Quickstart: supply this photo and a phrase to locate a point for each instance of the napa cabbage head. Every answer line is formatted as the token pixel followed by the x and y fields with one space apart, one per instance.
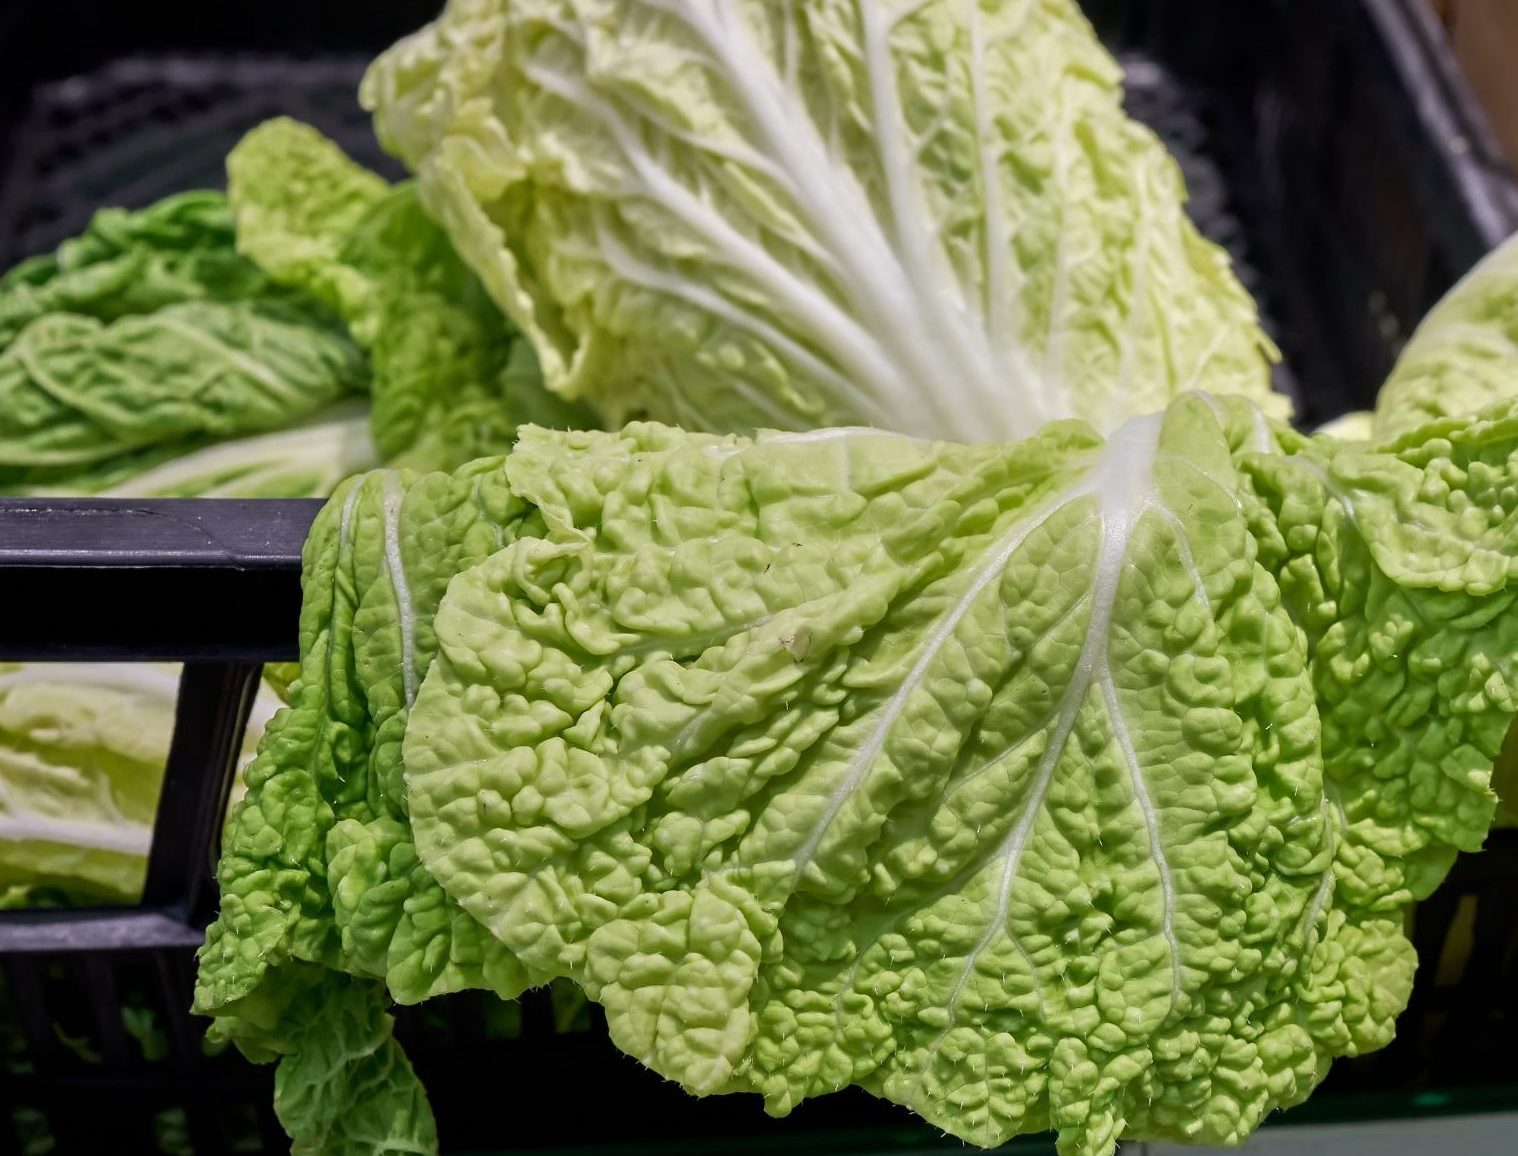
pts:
pixel 1463 356
pixel 735 214
pixel 147 339
pixel 1078 782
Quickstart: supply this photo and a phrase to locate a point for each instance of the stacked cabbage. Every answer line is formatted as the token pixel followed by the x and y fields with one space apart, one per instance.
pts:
pixel 945 673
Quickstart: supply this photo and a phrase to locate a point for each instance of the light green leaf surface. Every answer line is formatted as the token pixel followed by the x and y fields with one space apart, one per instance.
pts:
pixel 1071 783
pixel 1358 426
pixel 318 867
pixel 736 214
pixel 1464 355
pixel 82 754
pixel 452 377
pixel 296 197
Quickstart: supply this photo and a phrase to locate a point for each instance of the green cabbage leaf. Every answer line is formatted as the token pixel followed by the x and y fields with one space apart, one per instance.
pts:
pixel 82 754
pixel 1463 356
pixel 452 378
pixel 1074 783
pixel 306 460
pixel 128 263
pixel 148 338
pixel 931 217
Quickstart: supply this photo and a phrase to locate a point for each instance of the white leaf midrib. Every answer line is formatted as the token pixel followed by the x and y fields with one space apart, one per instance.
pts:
pixel 917 329
pixel 245 363
pixel 395 566
pixel 1123 486
pixel 330 452
pixel 1120 480
pixel 1000 555
pixel 122 837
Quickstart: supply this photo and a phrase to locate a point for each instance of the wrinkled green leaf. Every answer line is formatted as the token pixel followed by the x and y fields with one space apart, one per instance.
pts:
pixel 1464 355
pixel 343 1086
pixel 1071 783
pixel 452 377
pixel 128 263
pixel 736 214
pixel 148 338
pixel 75 393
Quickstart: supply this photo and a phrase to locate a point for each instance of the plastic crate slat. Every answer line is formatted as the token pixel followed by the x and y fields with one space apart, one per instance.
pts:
pixel 206 1117
pixel 180 158
pixel 168 580
pixel 1462 154
pixel 141 1083
pixel 210 717
pixel 208 1088
pixel 150 615
pixel 269 1129
pixel 173 988
pixel 237 533
pixel 47 197
pixel 26 933
pixel 99 983
pixel 1492 944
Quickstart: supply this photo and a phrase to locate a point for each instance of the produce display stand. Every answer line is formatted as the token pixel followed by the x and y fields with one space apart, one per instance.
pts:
pixel 1327 144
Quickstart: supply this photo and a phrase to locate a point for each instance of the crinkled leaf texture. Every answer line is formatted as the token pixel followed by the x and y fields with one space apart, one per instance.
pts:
pixel 149 337
pixel 1070 784
pixel 348 1089
pixel 1464 355
pixel 131 262
pixel 453 378
pixel 737 214
pixel 318 865
pixel 78 395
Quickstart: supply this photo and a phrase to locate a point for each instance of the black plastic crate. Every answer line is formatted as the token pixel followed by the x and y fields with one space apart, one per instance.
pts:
pixel 1328 144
